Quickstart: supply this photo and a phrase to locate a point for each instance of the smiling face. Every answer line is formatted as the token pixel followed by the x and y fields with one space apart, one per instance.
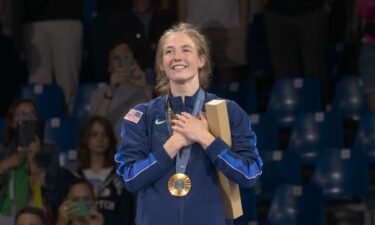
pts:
pixel 179 38
pixel 181 62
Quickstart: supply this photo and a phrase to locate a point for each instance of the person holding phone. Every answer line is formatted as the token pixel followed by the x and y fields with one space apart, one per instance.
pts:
pixel 79 207
pixel 24 157
pixel 126 88
pixel 167 154
pixel 96 149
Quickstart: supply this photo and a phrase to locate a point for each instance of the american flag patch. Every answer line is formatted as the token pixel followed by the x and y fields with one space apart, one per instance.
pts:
pixel 133 115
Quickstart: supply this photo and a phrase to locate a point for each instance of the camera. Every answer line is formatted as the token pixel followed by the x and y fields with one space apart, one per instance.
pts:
pixel 27 130
pixel 81 209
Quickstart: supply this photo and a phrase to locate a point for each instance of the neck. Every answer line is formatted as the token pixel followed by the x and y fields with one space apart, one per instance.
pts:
pixel 97 161
pixel 184 89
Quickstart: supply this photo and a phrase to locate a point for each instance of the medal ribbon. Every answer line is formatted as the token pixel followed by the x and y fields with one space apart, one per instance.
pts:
pixel 184 154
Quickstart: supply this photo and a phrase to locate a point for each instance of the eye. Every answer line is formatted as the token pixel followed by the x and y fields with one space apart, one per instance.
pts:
pixel 186 50
pixel 93 134
pixel 168 51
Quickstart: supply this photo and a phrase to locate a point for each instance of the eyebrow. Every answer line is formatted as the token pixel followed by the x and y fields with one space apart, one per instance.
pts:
pixel 183 46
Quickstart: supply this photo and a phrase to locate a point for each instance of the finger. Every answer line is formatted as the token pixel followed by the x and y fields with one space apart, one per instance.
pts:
pixel 187 115
pixel 176 128
pixel 178 123
pixel 181 118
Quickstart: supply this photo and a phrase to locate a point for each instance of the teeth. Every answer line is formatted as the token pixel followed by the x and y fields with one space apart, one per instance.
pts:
pixel 179 67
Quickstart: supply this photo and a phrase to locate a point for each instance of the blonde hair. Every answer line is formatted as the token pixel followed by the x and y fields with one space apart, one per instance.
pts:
pixel 201 43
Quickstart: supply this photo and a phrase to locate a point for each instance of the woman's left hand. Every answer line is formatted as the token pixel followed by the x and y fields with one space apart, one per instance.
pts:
pixel 196 129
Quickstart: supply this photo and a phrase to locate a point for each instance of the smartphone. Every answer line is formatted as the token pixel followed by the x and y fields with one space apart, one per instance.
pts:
pixel 27 130
pixel 125 62
pixel 81 209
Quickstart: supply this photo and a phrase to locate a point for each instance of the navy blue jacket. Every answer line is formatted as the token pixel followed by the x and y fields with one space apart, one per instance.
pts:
pixel 146 167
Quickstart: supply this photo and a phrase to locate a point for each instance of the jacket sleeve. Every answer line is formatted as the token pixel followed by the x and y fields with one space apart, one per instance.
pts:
pixel 241 162
pixel 138 164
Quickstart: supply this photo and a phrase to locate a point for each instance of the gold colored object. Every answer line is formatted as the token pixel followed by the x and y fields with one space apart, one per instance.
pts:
pixel 179 185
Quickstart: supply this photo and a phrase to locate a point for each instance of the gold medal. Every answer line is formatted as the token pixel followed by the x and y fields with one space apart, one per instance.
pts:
pixel 179 185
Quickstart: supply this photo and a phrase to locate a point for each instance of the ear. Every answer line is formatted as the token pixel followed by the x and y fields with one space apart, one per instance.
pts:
pixel 202 61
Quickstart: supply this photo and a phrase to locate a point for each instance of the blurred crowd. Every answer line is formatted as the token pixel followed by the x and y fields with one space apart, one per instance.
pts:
pixel 111 44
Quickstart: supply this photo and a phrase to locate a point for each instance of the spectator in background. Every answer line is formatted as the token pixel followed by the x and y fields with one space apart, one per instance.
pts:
pixel 297 35
pixel 79 206
pixel 140 27
pixel 31 216
pixel 127 87
pixel 366 11
pixel 31 165
pixel 224 23
pixel 97 146
pixel 52 35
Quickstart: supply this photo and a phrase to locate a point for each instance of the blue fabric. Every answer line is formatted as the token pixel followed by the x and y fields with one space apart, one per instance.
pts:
pixel 203 205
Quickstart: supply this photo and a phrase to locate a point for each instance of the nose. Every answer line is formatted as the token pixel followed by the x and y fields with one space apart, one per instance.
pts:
pixel 102 137
pixel 177 55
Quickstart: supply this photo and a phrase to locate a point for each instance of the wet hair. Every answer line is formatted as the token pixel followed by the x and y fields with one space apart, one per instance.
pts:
pixel 32 210
pixel 201 44
pixel 83 149
pixel 8 131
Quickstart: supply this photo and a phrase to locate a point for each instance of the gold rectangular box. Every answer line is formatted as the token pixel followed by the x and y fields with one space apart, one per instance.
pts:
pixel 218 123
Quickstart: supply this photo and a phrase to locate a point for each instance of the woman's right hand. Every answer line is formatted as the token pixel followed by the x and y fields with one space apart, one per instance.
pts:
pixel 175 143
pixel 10 162
pixel 64 213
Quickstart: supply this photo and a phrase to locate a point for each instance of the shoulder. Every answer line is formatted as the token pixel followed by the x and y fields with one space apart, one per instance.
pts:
pixel 152 104
pixel 142 110
pixel 231 105
pixel 235 112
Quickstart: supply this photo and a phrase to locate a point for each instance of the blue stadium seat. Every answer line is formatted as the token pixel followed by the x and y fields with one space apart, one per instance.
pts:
pixel 81 106
pixel 2 124
pixel 265 129
pixel 342 174
pixel 280 167
pixel 297 205
pixel 292 96
pixel 349 100
pixel 244 93
pixel 64 133
pixel 313 132
pixel 365 137
pixel 49 99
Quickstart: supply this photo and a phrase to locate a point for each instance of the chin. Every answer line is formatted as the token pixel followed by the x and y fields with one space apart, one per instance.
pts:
pixel 181 79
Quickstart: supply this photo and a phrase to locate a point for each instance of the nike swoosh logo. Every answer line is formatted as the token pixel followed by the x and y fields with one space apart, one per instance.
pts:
pixel 159 122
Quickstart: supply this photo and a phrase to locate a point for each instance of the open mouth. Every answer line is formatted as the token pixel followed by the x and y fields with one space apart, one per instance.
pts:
pixel 178 67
